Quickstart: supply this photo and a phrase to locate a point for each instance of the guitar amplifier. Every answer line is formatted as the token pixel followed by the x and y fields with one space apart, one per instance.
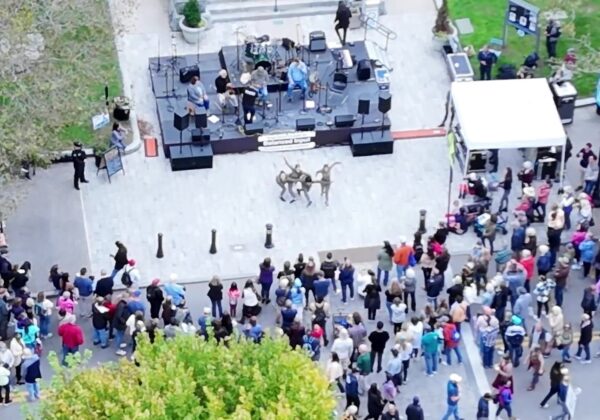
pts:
pixel 186 73
pixel 317 42
pixel 346 120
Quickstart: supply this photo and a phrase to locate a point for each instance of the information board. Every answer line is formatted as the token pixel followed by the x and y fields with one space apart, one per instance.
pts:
pixel 113 162
pixel 523 16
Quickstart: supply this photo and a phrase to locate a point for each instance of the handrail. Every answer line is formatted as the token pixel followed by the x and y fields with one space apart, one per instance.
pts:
pixel 369 22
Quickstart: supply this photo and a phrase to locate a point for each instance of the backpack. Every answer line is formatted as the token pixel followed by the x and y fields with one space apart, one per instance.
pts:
pixel 309 345
pixel 320 315
pixel 126 278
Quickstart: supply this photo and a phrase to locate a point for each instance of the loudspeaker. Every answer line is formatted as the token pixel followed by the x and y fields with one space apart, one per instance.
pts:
pixel 254 128
pixel 191 157
pixel 186 73
pixel 385 102
pixel 363 70
pixel 200 120
pixel 181 122
pixel 363 106
pixel 317 42
pixel 305 124
pixel 200 137
pixel 346 120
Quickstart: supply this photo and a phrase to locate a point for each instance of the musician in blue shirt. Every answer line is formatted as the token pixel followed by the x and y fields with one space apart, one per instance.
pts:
pixel 486 60
pixel 197 96
pixel 297 76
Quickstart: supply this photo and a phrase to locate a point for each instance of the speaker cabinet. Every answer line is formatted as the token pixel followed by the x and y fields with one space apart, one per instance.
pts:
pixel 317 42
pixel 346 120
pixel 305 124
pixel 363 70
pixel 385 102
pixel 254 128
pixel 364 106
pixel 181 122
pixel 186 73
pixel 191 157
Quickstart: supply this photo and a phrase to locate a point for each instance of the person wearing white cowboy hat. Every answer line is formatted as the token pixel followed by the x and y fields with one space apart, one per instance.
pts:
pixel 453 396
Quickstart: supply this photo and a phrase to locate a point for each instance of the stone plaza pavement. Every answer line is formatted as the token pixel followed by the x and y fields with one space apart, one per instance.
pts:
pixel 238 196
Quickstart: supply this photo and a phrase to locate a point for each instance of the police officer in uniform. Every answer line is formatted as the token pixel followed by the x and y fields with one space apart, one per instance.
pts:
pixel 78 156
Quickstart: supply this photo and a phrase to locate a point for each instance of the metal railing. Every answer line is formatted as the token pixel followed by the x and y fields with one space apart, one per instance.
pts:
pixel 369 23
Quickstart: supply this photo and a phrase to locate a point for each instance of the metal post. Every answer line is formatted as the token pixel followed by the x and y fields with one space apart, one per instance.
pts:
pixel 269 237
pixel 213 242
pixel 159 251
pixel 422 228
pixel 275 9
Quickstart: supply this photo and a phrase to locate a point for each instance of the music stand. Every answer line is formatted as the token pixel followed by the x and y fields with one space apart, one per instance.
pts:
pixel 181 122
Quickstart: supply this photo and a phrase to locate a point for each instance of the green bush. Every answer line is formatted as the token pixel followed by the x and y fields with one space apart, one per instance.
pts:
pixel 189 378
pixel 191 14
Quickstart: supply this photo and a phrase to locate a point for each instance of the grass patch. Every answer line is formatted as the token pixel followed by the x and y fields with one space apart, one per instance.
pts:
pixel 487 18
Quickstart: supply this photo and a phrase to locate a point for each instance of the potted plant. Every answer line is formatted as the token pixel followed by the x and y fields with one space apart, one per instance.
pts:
pixel 442 27
pixel 192 24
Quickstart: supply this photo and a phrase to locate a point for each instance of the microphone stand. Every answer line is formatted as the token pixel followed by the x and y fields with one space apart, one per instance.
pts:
pixel 326 109
pixel 158 52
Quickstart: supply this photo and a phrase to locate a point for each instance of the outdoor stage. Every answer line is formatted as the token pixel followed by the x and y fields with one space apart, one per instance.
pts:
pixel 281 117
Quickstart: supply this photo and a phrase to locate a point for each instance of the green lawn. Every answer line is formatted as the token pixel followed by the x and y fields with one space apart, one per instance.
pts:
pixel 487 17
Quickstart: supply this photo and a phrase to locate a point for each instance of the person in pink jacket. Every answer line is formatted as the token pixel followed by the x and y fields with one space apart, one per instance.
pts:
pixel 65 302
pixel 528 263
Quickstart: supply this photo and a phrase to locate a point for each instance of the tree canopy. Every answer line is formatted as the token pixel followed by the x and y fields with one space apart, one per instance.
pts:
pixel 190 378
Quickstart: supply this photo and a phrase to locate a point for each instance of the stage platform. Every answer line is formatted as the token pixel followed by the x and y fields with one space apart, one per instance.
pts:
pixel 227 137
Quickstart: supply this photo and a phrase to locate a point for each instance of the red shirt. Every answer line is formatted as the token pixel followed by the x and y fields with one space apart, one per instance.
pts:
pixel 529 266
pixel 402 255
pixel 71 334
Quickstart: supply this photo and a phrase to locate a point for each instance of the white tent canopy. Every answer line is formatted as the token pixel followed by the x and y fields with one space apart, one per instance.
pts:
pixel 507 114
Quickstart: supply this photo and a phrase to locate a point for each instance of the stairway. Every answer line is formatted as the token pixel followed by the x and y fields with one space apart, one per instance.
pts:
pixel 241 10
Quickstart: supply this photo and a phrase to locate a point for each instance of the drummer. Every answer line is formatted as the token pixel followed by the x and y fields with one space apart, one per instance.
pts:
pixel 297 75
pixel 225 91
pixel 197 96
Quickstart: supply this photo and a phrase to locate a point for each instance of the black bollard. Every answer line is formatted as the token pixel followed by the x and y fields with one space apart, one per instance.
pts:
pixel 269 238
pixel 159 251
pixel 213 242
pixel 422 228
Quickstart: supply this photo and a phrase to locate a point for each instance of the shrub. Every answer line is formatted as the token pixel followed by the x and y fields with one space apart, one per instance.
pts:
pixel 189 378
pixel 442 20
pixel 191 14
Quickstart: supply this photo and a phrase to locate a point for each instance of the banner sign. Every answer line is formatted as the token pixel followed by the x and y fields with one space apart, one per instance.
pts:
pixel 291 140
pixel 523 16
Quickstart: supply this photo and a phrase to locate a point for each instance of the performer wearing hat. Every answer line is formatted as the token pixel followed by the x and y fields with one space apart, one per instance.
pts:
pixel 78 156
pixel 225 91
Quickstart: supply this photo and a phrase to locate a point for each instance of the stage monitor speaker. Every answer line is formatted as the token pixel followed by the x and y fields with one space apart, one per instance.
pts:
pixel 200 120
pixel 317 42
pixel 385 102
pixel 181 122
pixel 305 124
pixel 346 120
pixel 363 106
pixel 363 70
pixel 186 73
pixel 254 128
pixel 200 137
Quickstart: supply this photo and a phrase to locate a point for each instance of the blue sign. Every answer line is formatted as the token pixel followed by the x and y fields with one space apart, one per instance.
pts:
pixel 113 162
pixel 523 16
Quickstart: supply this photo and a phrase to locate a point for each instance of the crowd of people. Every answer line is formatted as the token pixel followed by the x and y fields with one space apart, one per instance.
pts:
pixel 523 297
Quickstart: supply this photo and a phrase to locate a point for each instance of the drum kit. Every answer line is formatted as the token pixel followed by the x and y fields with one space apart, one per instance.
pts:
pixel 262 52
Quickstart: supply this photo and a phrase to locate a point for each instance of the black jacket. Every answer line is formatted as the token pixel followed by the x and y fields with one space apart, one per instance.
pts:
pixel 154 295
pixel 104 286
pixel 121 316
pixel 374 404
pixel 586 333
pixel 454 292
pixel 215 292
pixel 329 268
pixel 343 16
pixel 414 412
pixel 120 259
pixel 434 285
pixel 99 318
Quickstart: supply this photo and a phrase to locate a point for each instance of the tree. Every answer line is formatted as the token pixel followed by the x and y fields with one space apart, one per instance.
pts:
pixel 442 20
pixel 191 378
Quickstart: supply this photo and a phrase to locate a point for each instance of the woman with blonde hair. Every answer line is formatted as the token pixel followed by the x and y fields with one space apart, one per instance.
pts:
pixel 393 292
pixel 557 325
pixel 343 346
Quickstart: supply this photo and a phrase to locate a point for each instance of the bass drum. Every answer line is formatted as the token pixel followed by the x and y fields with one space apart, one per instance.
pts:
pixel 262 60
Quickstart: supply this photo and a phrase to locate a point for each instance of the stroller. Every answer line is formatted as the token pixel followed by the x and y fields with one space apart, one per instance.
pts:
pixel 340 320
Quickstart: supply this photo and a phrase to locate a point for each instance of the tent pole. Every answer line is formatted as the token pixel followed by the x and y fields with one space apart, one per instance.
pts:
pixel 562 164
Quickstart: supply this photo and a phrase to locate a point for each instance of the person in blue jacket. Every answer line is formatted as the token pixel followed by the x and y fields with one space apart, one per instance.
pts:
pixel 486 61
pixel 588 252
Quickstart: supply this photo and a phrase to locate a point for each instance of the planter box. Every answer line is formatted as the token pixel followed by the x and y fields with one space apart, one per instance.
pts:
pixel 192 35
pixel 175 9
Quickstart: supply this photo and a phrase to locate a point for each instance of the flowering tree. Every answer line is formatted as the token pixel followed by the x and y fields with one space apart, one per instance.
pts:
pixel 191 378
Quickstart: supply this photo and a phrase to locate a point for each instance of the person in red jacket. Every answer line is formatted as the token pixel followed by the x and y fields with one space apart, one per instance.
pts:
pixel 451 341
pixel 528 263
pixel 112 308
pixel 72 337
pixel 402 257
